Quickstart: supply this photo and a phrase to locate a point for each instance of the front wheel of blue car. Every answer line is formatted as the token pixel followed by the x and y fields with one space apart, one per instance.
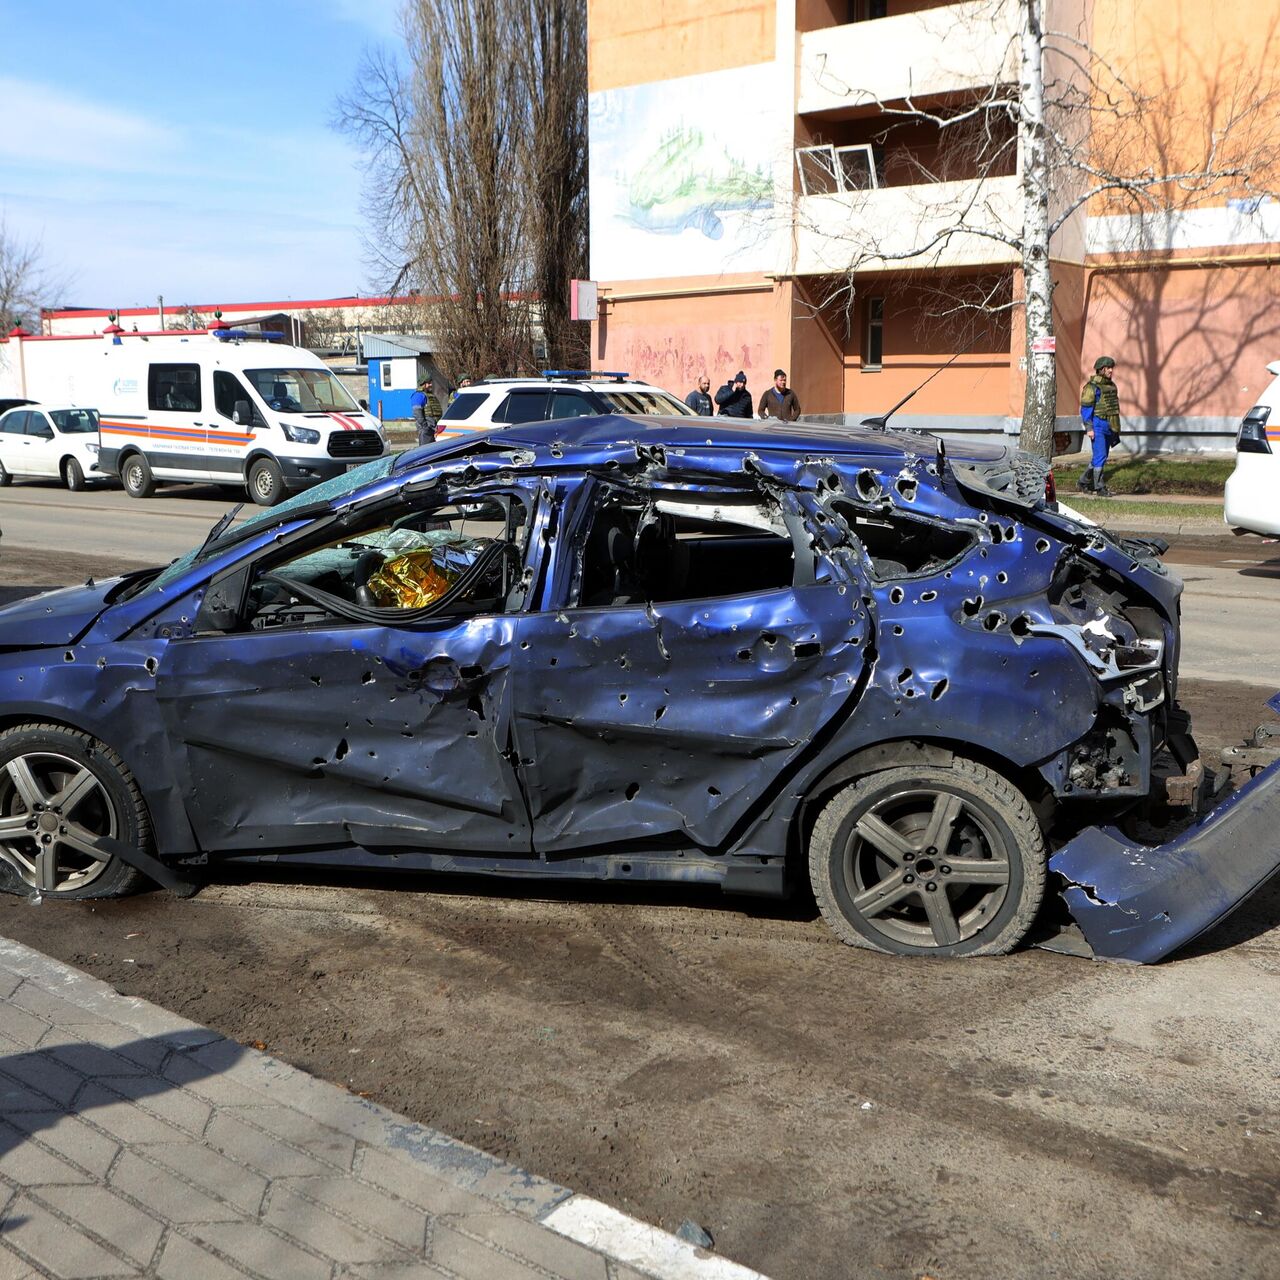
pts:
pixel 929 860
pixel 66 802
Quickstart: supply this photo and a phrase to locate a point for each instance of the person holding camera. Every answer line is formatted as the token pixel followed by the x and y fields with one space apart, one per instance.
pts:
pixel 734 399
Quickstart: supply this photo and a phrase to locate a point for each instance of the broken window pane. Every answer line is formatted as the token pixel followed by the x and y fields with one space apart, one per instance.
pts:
pixel 899 546
pixel 463 558
pixel 664 547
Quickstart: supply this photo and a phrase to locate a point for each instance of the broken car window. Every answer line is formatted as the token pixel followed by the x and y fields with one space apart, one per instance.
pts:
pixel 464 558
pixel 660 547
pixel 899 546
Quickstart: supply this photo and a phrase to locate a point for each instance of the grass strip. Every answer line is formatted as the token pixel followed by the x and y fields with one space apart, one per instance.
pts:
pixel 1104 509
pixel 1196 477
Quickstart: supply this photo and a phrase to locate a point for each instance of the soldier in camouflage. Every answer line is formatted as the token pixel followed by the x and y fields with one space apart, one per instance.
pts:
pixel 1100 413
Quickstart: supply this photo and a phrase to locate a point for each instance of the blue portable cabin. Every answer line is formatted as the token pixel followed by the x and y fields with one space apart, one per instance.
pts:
pixel 397 363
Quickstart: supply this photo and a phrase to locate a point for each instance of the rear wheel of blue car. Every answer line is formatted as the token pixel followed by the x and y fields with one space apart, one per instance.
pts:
pixel 66 801
pixel 929 860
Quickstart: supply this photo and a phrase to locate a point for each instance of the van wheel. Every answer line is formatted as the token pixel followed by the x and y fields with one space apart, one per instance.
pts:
pixel 266 482
pixel 136 477
pixel 5 477
pixel 73 475
pixel 927 860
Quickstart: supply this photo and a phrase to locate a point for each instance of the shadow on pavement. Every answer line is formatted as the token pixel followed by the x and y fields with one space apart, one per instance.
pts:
pixel 40 1088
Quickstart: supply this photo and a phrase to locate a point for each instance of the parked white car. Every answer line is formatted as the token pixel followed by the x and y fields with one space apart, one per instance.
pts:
pixel 1252 499
pixel 503 402
pixel 50 441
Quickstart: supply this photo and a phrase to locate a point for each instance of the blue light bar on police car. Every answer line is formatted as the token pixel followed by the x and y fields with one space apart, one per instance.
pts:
pixel 244 335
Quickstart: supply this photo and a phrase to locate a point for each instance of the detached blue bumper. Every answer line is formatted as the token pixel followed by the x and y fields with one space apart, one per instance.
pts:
pixel 1140 903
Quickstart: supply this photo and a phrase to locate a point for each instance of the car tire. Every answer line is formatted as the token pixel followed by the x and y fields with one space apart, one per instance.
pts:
pixel 48 849
pixel 136 477
pixel 73 476
pixel 265 482
pixel 885 861
pixel 5 477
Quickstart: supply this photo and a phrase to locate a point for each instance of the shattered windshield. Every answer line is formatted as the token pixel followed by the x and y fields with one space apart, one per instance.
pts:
pixel 319 495
pixel 301 390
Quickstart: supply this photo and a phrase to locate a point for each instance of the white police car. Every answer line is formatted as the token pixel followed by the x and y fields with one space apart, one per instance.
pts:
pixel 558 393
pixel 1252 498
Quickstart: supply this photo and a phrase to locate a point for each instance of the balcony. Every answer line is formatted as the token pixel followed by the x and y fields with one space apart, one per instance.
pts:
pixel 869 229
pixel 952 49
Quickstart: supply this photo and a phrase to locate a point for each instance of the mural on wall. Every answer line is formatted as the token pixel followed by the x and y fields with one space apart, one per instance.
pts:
pixel 684 352
pixel 682 175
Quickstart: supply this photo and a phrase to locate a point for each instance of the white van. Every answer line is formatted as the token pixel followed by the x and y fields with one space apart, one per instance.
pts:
pixel 222 406
pixel 1251 503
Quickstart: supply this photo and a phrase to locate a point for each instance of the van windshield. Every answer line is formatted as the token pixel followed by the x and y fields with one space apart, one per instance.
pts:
pixel 75 421
pixel 301 390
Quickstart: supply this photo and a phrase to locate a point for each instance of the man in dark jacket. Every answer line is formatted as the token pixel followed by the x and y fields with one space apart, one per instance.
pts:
pixel 779 401
pixel 734 399
pixel 699 400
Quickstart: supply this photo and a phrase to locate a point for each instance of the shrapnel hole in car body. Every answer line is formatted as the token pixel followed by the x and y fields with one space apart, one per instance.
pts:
pixel 646 651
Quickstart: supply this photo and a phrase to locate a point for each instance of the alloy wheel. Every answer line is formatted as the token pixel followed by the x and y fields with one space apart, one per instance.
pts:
pixel 926 867
pixel 54 814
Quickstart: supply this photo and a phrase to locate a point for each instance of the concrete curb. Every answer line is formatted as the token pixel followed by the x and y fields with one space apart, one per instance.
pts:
pixel 645 1248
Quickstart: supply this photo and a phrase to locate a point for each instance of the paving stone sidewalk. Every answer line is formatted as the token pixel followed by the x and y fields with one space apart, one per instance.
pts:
pixel 136 1143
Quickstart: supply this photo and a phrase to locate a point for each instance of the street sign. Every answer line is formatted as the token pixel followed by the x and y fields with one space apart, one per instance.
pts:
pixel 1044 346
pixel 583 299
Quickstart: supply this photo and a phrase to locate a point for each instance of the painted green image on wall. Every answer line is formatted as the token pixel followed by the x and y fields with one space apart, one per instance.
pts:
pixel 688 181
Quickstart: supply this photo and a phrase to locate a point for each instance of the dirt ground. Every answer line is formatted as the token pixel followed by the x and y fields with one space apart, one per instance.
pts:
pixel 823 1112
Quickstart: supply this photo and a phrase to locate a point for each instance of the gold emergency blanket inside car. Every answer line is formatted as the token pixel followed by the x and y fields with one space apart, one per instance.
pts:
pixel 411 580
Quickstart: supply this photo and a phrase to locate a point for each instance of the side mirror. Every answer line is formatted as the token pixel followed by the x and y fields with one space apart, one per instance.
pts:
pixel 364 404
pixel 242 414
pixel 221 606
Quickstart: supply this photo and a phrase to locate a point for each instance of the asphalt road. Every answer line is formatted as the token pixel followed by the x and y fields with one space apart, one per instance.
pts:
pixel 106 521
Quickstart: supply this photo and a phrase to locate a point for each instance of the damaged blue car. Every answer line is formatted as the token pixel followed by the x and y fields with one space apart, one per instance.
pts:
pixel 755 657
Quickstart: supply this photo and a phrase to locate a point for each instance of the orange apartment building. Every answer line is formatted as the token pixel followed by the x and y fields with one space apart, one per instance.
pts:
pixel 731 147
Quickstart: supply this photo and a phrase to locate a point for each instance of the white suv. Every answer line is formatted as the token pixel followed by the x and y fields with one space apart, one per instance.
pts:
pixel 559 393
pixel 1252 499
pixel 52 441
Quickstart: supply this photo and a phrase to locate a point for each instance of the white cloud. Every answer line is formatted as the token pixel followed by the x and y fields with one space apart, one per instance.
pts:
pixel 380 17
pixel 59 129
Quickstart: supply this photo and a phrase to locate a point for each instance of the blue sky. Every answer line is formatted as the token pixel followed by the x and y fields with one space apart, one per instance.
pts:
pixel 184 149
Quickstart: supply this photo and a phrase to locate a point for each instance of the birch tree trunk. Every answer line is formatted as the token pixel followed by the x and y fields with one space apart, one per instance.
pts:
pixel 1039 406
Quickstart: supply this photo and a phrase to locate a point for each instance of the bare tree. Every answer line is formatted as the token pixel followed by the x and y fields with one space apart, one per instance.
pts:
pixel 553 34
pixel 26 281
pixel 1083 136
pixel 476 144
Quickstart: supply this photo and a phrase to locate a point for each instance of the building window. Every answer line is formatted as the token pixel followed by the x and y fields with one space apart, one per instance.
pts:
pixel 385 369
pixel 865 10
pixel 826 170
pixel 873 335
